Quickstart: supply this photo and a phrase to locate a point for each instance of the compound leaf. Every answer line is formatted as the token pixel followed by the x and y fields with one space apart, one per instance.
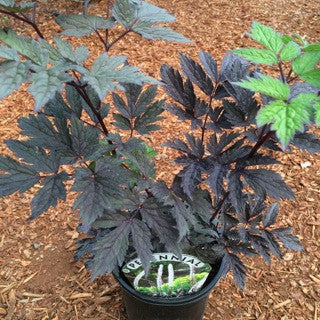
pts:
pixel 52 189
pixel 12 74
pixel 306 62
pixel 263 56
pixel 264 181
pixel 111 249
pixel 82 25
pixel 19 178
pixel 27 47
pixel 290 51
pixel 312 77
pixel 266 36
pixel 141 238
pixel 45 83
pixel 286 119
pixel 148 31
pixel 266 85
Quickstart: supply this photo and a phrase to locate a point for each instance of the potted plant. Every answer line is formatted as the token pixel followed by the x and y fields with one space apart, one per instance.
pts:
pixel 218 207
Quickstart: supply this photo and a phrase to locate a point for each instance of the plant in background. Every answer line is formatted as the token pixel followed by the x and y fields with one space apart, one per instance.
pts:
pixel 216 205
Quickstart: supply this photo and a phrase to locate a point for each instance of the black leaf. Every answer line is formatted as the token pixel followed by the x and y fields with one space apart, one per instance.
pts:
pixel 98 190
pixel 145 123
pixel 252 135
pixel 264 182
pixel 20 178
pixel 74 100
pixel 272 243
pixel 141 237
pixel 233 68
pixel 301 87
pixel 190 178
pixel 195 73
pixel 42 133
pixel 261 245
pixel 256 159
pixel 111 249
pixel 235 186
pixel 174 86
pixel 40 160
pixel 52 189
pixel 215 178
pixel 121 122
pixel 307 142
pixel 269 218
pixel 158 219
pixel 238 268
pixel 85 139
pixel 289 240
pixel 209 64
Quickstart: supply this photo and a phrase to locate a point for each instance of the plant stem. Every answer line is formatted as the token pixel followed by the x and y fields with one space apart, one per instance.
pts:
pixel 34 12
pixel 221 202
pixel 102 40
pixel 203 128
pixel 24 19
pixel 128 29
pixel 289 74
pixel 205 123
pixel 108 46
pixel 260 142
pixel 107 16
pixel 283 78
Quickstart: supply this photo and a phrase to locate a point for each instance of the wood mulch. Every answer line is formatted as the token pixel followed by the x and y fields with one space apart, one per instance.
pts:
pixel 38 276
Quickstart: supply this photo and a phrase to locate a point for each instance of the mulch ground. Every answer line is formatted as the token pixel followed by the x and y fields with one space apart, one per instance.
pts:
pixel 38 276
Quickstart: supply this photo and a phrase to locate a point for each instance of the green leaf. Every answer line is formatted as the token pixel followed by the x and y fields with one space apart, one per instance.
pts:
pixel 267 37
pixel 19 178
pixel 82 25
pixel 290 51
pixel 104 77
pixel 286 119
pixel 286 39
pixel 27 47
pixel 306 62
pixel 12 74
pixel 268 86
pixel 45 83
pixel 52 189
pixel 148 31
pixel 264 56
pixel 312 77
pixel 312 47
pixel 317 114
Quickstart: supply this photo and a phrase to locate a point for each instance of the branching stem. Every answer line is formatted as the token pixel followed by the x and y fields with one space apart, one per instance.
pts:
pixel 24 19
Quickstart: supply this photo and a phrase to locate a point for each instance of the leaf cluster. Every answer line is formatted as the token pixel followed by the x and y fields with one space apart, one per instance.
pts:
pixel 76 142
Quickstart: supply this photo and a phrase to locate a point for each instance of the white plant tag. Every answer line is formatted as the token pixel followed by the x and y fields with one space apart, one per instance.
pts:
pixel 169 276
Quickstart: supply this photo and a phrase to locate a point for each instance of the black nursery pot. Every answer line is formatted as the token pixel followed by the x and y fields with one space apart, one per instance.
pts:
pixel 190 307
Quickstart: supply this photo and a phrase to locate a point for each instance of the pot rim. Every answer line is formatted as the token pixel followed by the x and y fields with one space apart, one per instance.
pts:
pixel 194 297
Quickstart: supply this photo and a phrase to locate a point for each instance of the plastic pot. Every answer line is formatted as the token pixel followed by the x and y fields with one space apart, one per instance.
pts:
pixel 190 307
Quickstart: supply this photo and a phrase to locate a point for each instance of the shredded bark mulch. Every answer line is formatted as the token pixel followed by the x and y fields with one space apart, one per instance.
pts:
pixel 38 276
